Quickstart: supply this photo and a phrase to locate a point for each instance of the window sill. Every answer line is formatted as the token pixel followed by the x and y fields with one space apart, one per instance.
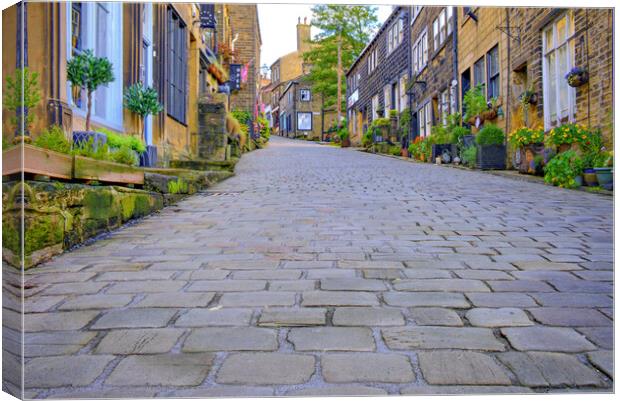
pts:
pixel 176 119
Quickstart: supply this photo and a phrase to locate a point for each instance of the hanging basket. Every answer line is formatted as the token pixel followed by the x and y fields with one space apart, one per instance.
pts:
pixel 577 78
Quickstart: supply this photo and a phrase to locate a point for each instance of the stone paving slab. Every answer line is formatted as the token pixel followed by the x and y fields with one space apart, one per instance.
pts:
pixel 509 292
pixel 266 368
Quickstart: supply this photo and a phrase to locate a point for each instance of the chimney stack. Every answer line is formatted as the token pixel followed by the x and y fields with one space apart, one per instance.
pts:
pixel 303 35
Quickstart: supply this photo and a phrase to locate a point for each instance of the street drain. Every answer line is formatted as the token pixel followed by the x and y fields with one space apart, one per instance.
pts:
pixel 222 193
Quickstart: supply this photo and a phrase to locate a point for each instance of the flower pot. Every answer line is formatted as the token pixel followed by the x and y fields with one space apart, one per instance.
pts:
pixel 345 143
pixel 491 157
pixel 404 153
pixel 579 180
pixel 589 177
pixel 604 175
pixel 527 155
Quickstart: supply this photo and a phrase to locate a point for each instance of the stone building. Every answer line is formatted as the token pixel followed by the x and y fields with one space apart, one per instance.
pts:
pixel 377 79
pixel 246 46
pixel 482 55
pixel 300 111
pixel 434 84
pixel 286 68
pixel 549 42
pixel 159 44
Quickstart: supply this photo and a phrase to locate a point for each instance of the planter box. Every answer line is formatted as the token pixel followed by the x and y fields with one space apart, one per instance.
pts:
pixel 85 168
pixel 438 149
pixel 37 161
pixel 491 157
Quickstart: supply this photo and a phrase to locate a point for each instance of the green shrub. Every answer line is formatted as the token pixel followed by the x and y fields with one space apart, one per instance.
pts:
pixel 380 122
pixel 394 150
pixel 469 155
pixel 119 140
pixel 54 139
pixel 87 149
pixel 490 134
pixel 440 135
pixel 367 138
pixel 404 122
pixel 343 133
pixel 124 155
pixel 393 113
pixel 474 102
pixel 563 168
pixel 457 135
pixel 6 144
pixel 22 91
pixel 178 186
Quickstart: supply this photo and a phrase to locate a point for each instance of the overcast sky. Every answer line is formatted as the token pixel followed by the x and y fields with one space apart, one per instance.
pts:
pixel 278 27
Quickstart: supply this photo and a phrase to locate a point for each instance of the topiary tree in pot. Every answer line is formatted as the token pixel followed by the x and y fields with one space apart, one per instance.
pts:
pixel 143 101
pixel 87 71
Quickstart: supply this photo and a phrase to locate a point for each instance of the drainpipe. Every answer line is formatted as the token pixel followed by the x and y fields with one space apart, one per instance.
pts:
pixel 455 58
pixel 507 105
pixel 21 61
pixel 410 76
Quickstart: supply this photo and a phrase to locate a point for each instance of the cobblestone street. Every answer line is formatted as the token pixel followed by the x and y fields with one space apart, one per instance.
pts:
pixel 319 270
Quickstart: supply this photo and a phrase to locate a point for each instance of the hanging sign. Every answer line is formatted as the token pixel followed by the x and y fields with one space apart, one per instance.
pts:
pixel 207 16
pixel 235 76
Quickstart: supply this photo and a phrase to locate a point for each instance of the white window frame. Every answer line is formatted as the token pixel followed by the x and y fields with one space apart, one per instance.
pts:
pixel 449 20
pixel 425 120
pixel 415 11
pixel 375 107
pixel 387 103
pixel 402 88
pixel 569 41
pixel 419 52
pixel 301 95
pixel 308 116
pixel 444 105
pixel 113 92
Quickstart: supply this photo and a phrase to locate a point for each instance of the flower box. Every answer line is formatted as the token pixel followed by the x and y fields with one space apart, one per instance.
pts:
pixel 85 168
pixel 491 157
pixel 37 161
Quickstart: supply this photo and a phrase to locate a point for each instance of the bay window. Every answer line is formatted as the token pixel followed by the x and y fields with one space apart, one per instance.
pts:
pixel 558 59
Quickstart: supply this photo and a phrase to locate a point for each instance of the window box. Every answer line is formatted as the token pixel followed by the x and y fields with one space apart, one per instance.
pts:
pixel 491 157
pixel 36 161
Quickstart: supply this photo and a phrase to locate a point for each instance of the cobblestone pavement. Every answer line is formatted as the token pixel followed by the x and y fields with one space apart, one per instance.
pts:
pixel 319 270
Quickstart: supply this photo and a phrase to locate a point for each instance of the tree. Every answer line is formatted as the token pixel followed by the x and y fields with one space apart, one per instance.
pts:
pixel 22 93
pixel 344 32
pixel 143 101
pixel 88 72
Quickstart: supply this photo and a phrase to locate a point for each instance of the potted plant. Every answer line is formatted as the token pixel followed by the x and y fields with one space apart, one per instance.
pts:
pixel 469 156
pixel 603 168
pixel 491 152
pixel 143 101
pixel 567 136
pixel 529 143
pixel 22 94
pixel 345 141
pixel 474 104
pixel 89 72
pixel 576 77
pixel 564 170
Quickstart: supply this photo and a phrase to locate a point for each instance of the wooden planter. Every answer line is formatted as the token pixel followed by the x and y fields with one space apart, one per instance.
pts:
pixel 37 161
pixel 85 168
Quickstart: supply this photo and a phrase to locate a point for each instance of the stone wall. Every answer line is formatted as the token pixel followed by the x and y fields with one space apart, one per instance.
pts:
pixel 212 137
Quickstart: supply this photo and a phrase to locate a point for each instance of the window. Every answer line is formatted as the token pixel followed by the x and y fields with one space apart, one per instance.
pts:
pixel 420 53
pixel 387 91
pixel 425 120
pixel 304 121
pixel 176 104
pixel 402 83
pixel 375 107
pixel 97 26
pixel 453 96
pixel 442 27
pixel 372 61
pixel 415 11
pixel 479 72
pixel 395 35
pixel 559 54
pixel 444 106
pixel 304 95
pixel 493 73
